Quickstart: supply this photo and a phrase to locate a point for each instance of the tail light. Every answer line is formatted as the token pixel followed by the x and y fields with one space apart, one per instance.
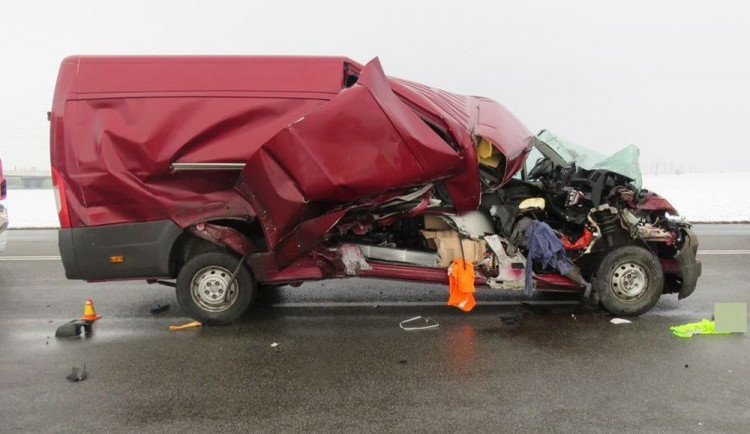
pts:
pixel 62 203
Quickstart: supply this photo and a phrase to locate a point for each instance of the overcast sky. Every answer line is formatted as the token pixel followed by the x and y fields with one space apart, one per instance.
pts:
pixel 672 77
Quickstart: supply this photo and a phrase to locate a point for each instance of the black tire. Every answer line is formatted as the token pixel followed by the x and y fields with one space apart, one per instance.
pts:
pixel 629 281
pixel 201 284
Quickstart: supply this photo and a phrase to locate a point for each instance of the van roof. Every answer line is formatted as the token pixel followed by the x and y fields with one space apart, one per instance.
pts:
pixel 133 74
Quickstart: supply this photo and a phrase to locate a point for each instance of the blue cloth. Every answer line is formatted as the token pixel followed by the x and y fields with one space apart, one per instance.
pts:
pixel 545 247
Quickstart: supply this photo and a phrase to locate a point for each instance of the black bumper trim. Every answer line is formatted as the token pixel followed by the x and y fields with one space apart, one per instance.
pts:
pixel 690 267
pixel 145 249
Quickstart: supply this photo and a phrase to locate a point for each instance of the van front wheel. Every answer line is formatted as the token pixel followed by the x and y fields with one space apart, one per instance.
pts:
pixel 206 292
pixel 629 281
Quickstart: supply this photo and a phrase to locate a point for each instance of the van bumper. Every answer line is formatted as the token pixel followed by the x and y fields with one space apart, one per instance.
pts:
pixel 689 267
pixel 145 249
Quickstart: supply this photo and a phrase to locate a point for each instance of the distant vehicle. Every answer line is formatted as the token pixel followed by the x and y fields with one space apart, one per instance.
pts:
pixel 3 211
pixel 233 173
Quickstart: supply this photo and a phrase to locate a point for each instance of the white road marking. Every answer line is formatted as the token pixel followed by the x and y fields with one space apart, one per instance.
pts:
pixel 30 258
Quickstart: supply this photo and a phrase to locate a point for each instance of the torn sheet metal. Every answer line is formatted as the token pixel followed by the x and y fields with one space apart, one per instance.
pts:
pixel 224 236
pixel 353 259
pixel 362 143
pixel 406 256
pixel 510 270
pixel 473 224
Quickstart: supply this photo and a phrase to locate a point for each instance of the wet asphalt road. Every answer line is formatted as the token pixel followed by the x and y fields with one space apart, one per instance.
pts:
pixel 344 364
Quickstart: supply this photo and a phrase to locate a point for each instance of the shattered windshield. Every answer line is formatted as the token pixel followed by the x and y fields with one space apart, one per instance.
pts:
pixel 562 152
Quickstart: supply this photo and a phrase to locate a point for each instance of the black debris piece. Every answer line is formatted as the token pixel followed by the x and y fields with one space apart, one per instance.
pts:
pixel 73 329
pixel 158 307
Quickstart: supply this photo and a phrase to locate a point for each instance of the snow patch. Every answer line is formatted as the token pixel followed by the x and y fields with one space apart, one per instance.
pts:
pixel 705 197
pixel 31 209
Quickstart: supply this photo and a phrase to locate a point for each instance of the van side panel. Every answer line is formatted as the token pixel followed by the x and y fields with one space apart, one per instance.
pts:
pixel 119 165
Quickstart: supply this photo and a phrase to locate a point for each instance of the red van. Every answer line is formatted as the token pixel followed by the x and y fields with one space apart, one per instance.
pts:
pixel 233 173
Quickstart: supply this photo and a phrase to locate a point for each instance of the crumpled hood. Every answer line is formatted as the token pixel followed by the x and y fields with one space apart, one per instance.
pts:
pixel 470 116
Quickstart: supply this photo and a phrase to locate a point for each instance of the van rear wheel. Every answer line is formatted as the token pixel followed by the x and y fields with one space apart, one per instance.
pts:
pixel 206 292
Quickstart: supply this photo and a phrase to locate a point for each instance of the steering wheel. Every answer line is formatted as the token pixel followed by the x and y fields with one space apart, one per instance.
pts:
pixel 542 167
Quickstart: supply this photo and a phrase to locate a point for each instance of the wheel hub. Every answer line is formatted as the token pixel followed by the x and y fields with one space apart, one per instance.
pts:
pixel 629 281
pixel 210 289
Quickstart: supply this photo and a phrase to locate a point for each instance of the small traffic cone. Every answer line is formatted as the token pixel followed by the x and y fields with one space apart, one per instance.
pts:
pixel 89 313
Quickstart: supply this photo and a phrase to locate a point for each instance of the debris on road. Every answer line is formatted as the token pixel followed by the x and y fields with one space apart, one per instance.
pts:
pixel 158 307
pixel 73 329
pixel 274 345
pixel 620 321
pixel 78 374
pixel 79 327
pixel 426 323
pixel 704 327
pixel 185 326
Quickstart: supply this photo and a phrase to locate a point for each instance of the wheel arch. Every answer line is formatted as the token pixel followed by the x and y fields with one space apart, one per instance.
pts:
pixel 235 236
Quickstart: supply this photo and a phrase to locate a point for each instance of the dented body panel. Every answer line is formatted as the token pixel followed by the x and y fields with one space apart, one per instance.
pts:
pixel 301 164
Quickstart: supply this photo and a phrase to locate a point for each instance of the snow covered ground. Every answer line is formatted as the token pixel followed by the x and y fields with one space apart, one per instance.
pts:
pixel 705 197
pixel 31 209
pixel 699 197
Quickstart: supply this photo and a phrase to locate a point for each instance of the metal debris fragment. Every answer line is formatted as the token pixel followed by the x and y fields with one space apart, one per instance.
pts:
pixel 420 323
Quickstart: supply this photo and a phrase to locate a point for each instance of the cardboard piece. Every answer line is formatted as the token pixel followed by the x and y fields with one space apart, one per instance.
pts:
pixel 435 223
pixel 447 245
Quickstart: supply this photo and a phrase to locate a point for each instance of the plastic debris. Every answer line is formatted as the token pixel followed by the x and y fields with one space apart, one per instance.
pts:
pixel 274 345
pixel 619 321
pixel 418 323
pixel 185 326
pixel 461 280
pixel 704 327
pixel 73 329
pixel 78 374
pixel 158 307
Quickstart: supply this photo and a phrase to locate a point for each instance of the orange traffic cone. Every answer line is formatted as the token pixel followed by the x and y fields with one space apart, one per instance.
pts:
pixel 89 313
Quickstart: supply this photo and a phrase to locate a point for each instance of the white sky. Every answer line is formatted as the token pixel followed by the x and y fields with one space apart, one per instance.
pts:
pixel 670 76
